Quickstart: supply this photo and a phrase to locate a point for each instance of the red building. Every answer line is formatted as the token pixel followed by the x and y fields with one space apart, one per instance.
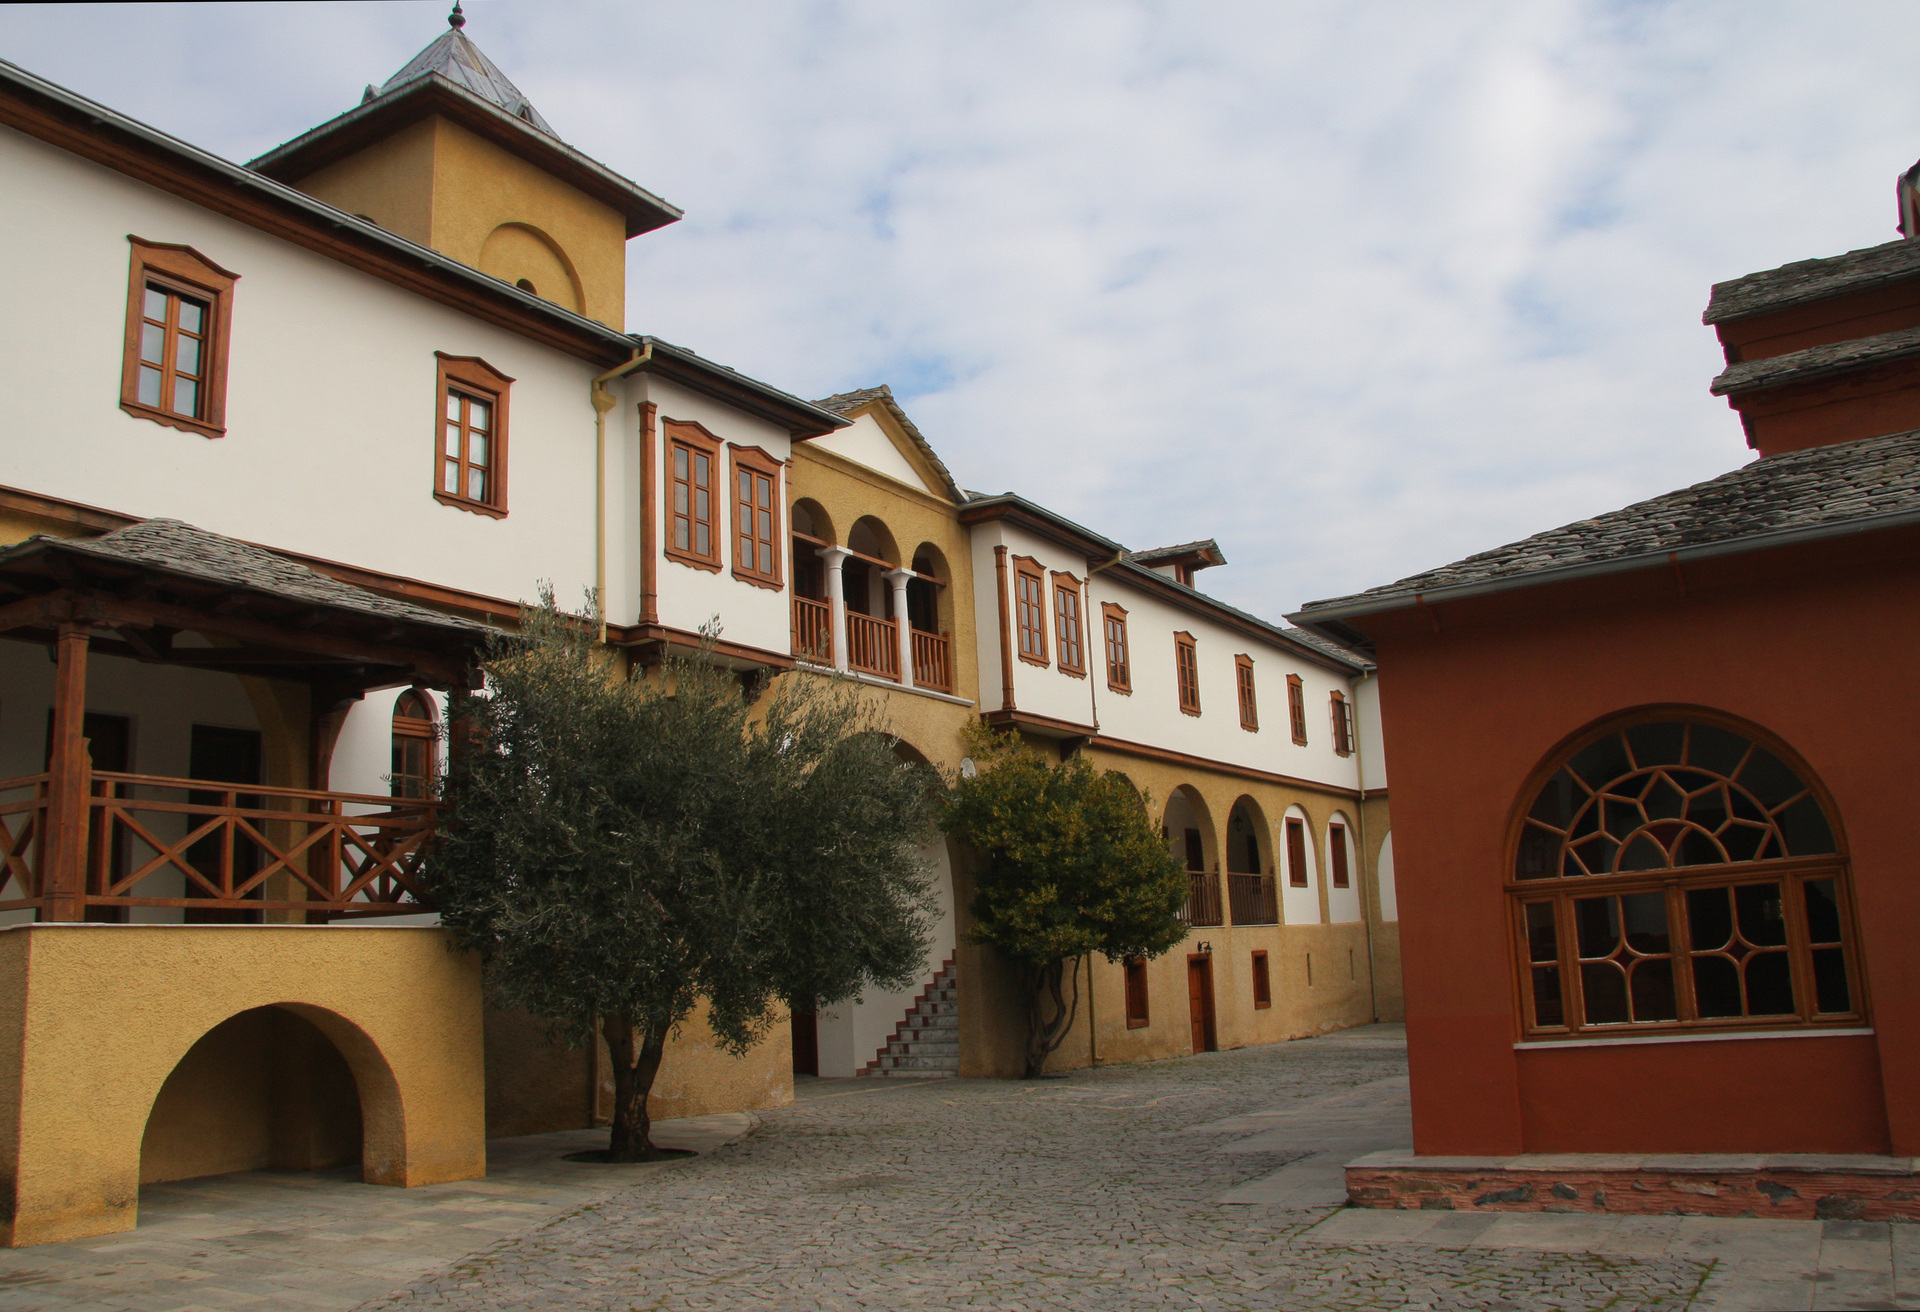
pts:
pixel 1654 808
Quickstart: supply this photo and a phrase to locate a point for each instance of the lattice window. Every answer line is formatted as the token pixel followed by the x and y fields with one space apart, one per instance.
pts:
pixel 1243 680
pixel 416 743
pixel 1296 852
pixel 1030 606
pixel 1119 668
pixel 1070 649
pixel 1186 664
pixel 1297 709
pixel 693 473
pixel 1341 711
pixel 1679 875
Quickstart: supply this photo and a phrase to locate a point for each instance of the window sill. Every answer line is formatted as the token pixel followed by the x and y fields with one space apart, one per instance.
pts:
pixel 1133 1024
pixel 464 503
pixel 1116 688
pixel 758 580
pixel 1251 728
pixel 1263 1006
pixel 1073 673
pixel 1854 1032
pixel 170 420
pixel 1041 661
pixel 692 561
pixel 1185 711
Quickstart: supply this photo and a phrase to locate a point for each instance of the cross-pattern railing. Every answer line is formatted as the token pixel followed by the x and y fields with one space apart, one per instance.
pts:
pixel 1253 899
pixel 873 646
pixel 1203 899
pixel 813 630
pixel 932 661
pixel 231 846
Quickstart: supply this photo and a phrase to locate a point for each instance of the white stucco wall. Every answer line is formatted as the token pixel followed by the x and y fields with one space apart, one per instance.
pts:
pixel 331 404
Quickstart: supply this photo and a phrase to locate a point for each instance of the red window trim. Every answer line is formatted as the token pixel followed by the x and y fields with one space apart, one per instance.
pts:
pixel 469 373
pixel 695 438
pixel 1068 585
pixel 1340 875
pixel 1243 684
pixel 185 271
pixel 1028 569
pixel 1342 716
pixel 1262 982
pixel 1186 672
pixel 1297 872
pixel 1111 614
pixel 758 461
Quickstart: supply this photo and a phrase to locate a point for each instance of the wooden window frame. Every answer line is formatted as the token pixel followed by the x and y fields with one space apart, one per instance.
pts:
pixel 185 272
pixel 469 373
pixel 1135 988
pixel 1295 831
pixel 1340 712
pixel 1262 982
pixel 696 439
pixel 1559 893
pixel 1297 709
pixel 1027 569
pixel 1339 872
pixel 1114 619
pixel 1186 672
pixel 1243 683
pixel 427 731
pixel 1065 586
pixel 761 463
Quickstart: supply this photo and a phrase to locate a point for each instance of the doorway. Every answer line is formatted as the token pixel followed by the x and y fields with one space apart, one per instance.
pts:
pixel 1200 1002
pixel 806 1041
pixel 227 756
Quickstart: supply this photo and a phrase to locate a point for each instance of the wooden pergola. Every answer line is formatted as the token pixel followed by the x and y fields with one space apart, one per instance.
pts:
pixel 65 834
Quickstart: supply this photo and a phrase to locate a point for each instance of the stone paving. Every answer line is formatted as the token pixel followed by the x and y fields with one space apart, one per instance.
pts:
pixel 1205 1183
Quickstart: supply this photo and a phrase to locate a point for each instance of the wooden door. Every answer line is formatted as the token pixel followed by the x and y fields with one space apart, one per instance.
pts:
pixel 1200 1001
pixel 806 1042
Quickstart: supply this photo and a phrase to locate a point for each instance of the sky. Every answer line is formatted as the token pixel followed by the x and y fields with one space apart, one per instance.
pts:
pixel 1354 288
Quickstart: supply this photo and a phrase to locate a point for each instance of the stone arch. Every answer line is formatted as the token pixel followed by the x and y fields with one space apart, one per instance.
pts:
pixel 523 255
pixel 1192 841
pixel 286 1086
pixel 1299 883
pixel 861 578
pixel 871 537
pixel 1249 838
pixel 810 519
pixel 929 592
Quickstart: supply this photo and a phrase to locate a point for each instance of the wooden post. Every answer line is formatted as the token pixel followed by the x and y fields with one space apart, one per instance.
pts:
pixel 63 885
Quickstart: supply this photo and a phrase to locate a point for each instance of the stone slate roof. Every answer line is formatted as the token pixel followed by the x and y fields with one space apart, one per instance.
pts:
pixel 1827 487
pixel 180 549
pixel 1817 362
pixel 1813 280
pixel 1205 547
pixel 841 402
pixel 455 57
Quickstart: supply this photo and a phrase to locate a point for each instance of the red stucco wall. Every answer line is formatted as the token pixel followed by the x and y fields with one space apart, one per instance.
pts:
pixel 1815 646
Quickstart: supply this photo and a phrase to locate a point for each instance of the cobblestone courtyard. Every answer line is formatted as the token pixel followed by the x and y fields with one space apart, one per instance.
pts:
pixel 1206 1183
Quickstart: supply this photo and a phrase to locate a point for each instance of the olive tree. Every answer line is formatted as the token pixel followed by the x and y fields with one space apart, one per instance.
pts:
pixel 619 849
pixel 1070 864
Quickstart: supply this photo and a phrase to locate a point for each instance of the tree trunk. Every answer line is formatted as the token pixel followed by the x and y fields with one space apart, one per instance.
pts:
pixel 636 1060
pixel 1045 1034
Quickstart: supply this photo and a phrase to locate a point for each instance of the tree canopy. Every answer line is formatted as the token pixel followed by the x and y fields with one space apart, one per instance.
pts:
pixel 619 849
pixel 1070 864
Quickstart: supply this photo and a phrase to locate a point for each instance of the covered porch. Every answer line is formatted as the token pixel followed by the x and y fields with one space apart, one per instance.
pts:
pixel 240 824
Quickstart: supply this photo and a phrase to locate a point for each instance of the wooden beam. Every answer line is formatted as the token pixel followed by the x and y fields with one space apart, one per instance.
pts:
pixel 63 881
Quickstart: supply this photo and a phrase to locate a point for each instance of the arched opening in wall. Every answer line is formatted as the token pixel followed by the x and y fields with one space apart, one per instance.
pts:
pixel 1383 876
pixel 1252 897
pixel 1188 829
pixel 809 529
pixel 1298 869
pixel 523 255
pixel 1343 870
pixel 416 744
pixel 1681 870
pixel 864 574
pixel 929 612
pixel 262 1090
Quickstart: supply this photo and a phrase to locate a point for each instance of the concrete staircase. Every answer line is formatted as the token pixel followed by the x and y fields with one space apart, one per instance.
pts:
pixel 926 1045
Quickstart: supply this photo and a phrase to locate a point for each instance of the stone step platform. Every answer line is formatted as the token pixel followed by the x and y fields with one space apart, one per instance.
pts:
pixel 926 1043
pixel 1784 1186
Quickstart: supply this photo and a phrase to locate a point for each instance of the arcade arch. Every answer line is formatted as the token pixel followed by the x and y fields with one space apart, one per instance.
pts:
pixel 1251 895
pixel 1188 829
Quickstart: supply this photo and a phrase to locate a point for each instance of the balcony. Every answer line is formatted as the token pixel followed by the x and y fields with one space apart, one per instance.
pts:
pixel 933 661
pixel 872 645
pixel 813 630
pixel 1253 899
pixel 229 848
pixel 1203 899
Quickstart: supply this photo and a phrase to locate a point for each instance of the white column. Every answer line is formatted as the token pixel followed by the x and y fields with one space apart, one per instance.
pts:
pixel 902 628
pixel 836 602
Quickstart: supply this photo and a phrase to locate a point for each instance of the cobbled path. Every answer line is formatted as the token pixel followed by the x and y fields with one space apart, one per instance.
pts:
pixel 1078 1193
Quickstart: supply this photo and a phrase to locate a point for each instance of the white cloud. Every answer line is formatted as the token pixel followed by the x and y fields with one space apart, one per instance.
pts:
pixel 1356 288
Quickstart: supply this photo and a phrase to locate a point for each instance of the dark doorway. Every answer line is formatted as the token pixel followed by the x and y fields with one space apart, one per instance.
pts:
pixel 1200 1002
pixel 228 756
pixel 806 1042
pixel 109 748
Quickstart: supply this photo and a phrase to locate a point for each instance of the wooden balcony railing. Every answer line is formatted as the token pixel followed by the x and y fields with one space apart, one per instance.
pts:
pixel 1203 898
pixel 245 847
pixel 873 646
pixel 932 661
pixel 813 630
pixel 1253 899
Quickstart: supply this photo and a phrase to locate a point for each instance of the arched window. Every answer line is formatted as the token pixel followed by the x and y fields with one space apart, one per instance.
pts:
pixel 1677 875
pixel 416 744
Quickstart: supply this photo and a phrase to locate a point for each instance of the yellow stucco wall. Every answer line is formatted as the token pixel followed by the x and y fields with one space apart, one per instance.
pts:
pixel 98 1017
pixel 443 186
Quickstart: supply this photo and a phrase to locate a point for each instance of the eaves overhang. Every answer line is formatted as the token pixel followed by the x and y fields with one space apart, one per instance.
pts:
pixel 1331 618
pixel 676 364
pixel 434 93
pixel 1038 520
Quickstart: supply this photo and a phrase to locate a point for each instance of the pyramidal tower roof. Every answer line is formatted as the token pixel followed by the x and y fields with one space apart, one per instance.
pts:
pixel 454 56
